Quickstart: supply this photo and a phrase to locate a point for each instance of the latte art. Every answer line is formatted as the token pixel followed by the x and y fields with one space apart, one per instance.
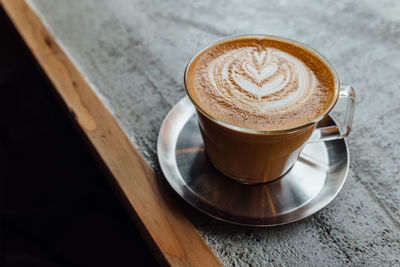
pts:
pixel 261 80
pixel 261 83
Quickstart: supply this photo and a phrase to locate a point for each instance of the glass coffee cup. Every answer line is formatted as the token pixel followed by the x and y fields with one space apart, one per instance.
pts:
pixel 258 156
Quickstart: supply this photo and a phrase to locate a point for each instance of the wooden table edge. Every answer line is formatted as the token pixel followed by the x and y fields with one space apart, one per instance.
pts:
pixel 170 235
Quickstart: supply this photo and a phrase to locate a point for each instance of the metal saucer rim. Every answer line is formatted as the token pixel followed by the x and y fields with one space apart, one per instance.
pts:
pixel 170 181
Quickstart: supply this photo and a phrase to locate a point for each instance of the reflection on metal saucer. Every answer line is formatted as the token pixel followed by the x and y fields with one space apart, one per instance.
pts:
pixel 313 182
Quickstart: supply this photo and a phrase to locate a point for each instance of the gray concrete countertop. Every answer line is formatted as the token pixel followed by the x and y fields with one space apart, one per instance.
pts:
pixel 134 54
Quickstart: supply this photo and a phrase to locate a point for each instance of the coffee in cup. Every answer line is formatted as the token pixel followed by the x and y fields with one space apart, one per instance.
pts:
pixel 258 100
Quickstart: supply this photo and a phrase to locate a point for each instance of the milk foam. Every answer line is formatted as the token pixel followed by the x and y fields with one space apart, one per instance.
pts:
pixel 261 79
pixel 261 83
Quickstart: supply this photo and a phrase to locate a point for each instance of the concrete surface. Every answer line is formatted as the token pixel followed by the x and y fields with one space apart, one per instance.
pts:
pixel 134 53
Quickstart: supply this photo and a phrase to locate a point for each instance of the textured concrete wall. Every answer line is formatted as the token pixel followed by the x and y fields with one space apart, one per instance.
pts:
pixel 134 54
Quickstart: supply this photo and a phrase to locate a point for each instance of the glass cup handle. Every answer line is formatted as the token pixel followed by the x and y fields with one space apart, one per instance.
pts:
pixel 342 129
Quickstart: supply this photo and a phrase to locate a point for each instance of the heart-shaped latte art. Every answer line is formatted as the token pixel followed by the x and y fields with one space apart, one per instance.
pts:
pixel 261 79
pixel 259 82
pixel 259 75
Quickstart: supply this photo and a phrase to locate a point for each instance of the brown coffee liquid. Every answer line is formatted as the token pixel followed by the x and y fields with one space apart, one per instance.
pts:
pixel 261 83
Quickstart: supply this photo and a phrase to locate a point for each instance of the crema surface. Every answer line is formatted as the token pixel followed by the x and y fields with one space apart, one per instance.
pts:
pixel 264 84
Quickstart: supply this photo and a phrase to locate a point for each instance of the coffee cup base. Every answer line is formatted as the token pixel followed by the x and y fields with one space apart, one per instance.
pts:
pixel 244 180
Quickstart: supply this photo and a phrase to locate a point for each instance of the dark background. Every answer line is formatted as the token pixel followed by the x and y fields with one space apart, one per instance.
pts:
pixel 56 205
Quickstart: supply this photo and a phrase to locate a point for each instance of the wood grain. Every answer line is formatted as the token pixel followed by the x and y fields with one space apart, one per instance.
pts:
pixel 171 236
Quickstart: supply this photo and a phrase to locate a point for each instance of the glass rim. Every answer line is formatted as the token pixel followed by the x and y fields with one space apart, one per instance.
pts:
pixel 255 131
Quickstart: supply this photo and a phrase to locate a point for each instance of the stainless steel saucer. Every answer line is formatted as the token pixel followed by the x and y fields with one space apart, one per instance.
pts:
pixel 310 185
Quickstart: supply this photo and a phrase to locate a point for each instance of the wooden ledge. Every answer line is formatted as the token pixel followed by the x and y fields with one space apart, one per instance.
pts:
pixel 171 236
